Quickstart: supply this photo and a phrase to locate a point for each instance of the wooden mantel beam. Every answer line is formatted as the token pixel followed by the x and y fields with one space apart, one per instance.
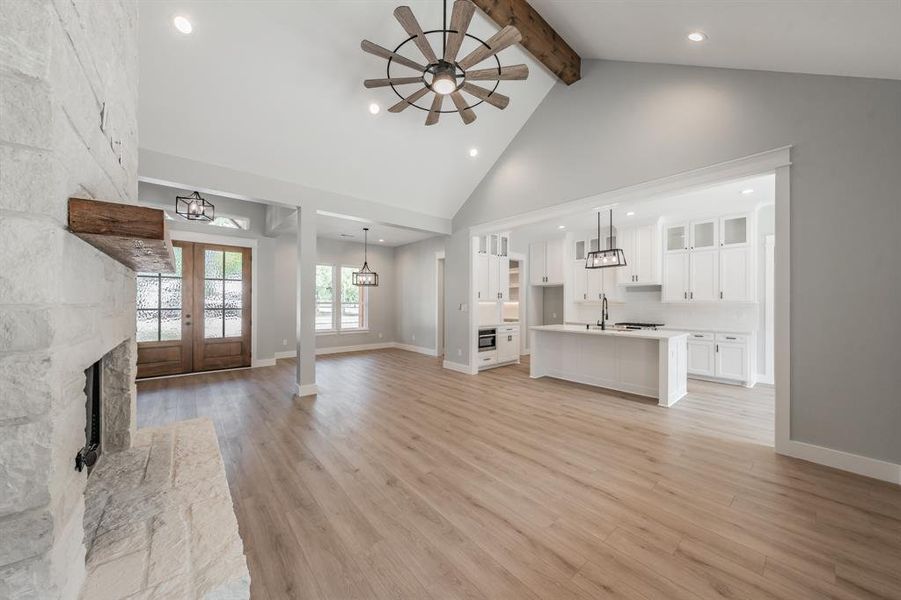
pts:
pixel 538 37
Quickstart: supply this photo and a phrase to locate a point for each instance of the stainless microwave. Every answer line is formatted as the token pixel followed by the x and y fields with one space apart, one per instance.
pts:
pixel 487 339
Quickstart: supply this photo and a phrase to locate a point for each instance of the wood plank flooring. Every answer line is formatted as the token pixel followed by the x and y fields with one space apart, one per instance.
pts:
pixel 405 480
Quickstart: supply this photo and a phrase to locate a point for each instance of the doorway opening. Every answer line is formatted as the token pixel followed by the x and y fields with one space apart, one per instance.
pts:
pixel 440 344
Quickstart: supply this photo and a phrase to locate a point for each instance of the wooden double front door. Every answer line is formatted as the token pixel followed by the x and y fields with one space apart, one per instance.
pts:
pixel 197 318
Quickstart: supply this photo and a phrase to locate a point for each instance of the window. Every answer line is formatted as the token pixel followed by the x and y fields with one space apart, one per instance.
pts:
pixel 223 291
pixel 325 297
pixel 340 305
pixel 159 304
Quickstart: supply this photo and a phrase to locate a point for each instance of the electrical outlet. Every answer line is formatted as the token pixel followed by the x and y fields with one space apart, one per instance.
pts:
pixel 554 315
pixel 380 335
pixel 284 342
pixel 414 337
pixel 459 352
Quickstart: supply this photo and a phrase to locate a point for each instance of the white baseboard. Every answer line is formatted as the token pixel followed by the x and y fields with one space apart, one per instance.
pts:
pixel 861 465
pixel 460 368
pixel 763 378
pixel 357 348
pixel 263 362
pixel 419 349
pixel 307 390
pixel 286 354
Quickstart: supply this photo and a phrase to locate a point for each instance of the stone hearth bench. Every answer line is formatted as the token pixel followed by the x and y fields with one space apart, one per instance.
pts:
pixel 159 521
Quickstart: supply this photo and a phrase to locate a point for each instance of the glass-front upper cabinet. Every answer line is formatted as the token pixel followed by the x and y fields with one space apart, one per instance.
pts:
pixel 579 250
pixel 734 230
pixel 703 234
pixel 676 237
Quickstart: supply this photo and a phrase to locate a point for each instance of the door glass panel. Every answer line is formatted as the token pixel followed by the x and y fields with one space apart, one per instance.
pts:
pixel 735 230
pixel 170 292
pixel 223 294
pixel 170 325
pixel 147 325
pixel 580 250
pixel 159 303
pixel 593 245
pixel 233 294
pixel 675 238
pixel 213 323
pixel 148 291
pixel 212 264
pixel 232 322
pixel 233 265
pixel 704 235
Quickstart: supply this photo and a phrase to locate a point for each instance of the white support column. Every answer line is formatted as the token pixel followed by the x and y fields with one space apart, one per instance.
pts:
pixel 306 305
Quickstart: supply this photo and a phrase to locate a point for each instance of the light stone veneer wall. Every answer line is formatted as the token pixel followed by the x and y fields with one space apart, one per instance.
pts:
pixel 63 304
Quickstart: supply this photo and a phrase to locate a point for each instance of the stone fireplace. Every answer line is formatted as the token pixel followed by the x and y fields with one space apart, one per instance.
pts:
pixel 68 88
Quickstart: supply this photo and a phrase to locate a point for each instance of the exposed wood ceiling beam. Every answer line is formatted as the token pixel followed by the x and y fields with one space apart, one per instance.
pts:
pixel 538 37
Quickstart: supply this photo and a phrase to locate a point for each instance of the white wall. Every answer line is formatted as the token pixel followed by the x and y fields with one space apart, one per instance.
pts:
pixel 627 123
pixel 417 291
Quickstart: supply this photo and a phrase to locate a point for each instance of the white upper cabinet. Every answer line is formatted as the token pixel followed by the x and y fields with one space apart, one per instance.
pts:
pixel 703 235
pixel 734 231
pixel 676 237
pixel 546 262
pixel 704 276
pixel 595 285
pixel 483 292
pixel 675 277
pixel 579 250
pixel 493 282
pixel 641 247
pixel 735 274
pixel 503 278
pixel 580 281
pixel 709 260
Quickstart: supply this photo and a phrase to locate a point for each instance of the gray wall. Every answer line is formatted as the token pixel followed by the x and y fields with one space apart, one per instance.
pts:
pixel 627 123
pixel 552 305
pixel 458 267
pixel 416 291
pixel 382 318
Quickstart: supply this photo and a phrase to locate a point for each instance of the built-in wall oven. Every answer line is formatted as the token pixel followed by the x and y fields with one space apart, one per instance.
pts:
pixel 487 339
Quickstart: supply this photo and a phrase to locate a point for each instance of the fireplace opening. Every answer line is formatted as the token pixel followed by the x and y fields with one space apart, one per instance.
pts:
pixel 87 456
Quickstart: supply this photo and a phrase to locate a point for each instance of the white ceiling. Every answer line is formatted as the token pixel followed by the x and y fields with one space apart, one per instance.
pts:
pixel 860 38
pixel 349 230
pixel 275 88
pixel 723 198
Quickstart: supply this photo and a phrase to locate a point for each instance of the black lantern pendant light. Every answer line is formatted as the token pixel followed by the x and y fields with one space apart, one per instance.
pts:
pixel 194 208
pixel 611 257
pixel 366 276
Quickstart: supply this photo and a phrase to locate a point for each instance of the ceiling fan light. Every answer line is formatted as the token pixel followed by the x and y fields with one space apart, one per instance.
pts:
pixel 444 83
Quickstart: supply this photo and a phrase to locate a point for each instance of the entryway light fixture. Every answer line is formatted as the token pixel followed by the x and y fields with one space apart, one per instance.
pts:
pixel 611 257
pixel 365 276
pixel 194 208
pixel 444 75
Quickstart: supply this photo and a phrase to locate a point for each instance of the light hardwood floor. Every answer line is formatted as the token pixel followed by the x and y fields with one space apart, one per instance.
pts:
pixel 405 480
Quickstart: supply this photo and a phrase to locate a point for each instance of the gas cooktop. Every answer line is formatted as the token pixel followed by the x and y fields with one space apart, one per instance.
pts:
pixel 628 325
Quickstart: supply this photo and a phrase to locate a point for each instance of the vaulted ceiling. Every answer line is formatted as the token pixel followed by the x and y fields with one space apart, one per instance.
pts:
pixel 275 88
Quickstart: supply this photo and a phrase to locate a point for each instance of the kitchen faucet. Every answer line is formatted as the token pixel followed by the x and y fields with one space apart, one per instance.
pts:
pixel 602 323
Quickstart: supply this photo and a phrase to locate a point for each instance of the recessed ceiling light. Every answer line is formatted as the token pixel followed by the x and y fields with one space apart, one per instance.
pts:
pixel 747 191
pixel 374 108
pixel 561 226
pixel 473 152
pixel 697 36
pixel 183 24
pixel 631 213
pixel 381 240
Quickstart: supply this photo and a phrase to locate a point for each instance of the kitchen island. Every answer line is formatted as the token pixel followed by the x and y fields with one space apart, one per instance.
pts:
pixel 644 362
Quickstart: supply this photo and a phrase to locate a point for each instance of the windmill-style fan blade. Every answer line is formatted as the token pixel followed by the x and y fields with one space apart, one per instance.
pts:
pixel 492 98
pixel 409 100
pixel 374 83
pixel 504 38
pixel 371 48
pixel 408 21
pixel 434 112
pixel 460 19
pixel 511 72
pixel 465 113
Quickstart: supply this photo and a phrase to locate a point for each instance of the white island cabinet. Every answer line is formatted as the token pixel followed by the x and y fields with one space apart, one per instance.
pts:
pixel 647 363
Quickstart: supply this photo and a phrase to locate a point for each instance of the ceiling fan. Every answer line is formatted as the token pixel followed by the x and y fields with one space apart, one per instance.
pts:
pixel 446 75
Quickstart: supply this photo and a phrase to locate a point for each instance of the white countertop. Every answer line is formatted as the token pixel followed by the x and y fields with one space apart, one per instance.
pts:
pixel 641 334
pixel 704 330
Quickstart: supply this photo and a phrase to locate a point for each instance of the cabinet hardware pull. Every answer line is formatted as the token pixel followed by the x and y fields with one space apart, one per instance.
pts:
pixel 478 294
pixel 721 295
pixel 717 347
pixel 685 295
pixel 692 296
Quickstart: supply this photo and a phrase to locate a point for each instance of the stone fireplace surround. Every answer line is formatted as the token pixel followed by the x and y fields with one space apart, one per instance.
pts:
pixel 68 128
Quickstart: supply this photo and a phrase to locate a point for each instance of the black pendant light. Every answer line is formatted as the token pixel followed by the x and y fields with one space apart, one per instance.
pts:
pixel 611 257
pixel 194 208
pixel 366 276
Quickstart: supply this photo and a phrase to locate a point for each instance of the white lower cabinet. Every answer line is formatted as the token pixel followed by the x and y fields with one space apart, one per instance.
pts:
pixel 724 356
pixel 701 354
pixel 507 344
pixel 487 358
